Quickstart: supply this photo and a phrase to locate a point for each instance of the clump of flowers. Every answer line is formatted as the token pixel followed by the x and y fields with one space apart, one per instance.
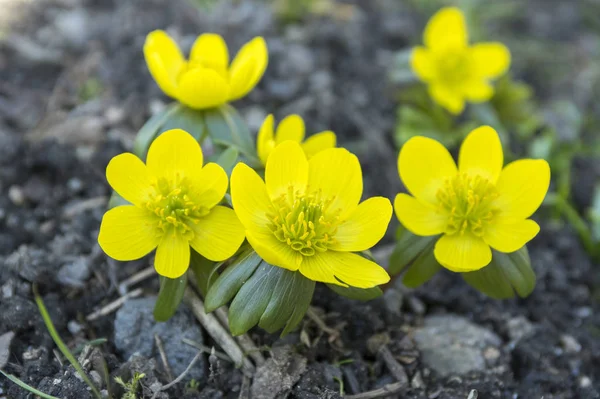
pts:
pixel 291 128
pixel 455 71
pixel 475 207
pixel 206 79
pixel 174 205
pixel 306 216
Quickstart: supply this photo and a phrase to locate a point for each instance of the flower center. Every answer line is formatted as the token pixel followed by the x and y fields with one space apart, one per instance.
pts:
pixel 469 203
pixel 175 209
pixel 304 222
pixel 454 66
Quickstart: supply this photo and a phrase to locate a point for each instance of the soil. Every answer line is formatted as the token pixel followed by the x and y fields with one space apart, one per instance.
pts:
pixel 74 90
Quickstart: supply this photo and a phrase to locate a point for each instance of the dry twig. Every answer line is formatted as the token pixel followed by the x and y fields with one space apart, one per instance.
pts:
pixel 389 389
pixel 178 379
pixel 113 306
pixel 217 332
pixel 163 356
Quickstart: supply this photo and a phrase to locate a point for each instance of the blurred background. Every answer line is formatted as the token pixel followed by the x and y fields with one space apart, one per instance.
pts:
pixel 74 90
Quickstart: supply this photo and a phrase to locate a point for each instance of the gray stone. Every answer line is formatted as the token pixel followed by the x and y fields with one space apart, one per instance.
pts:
pixel 135 329
pixel 276 377
pixel 452 345
pixel 519 327
pixel 5 341
pixel 75 273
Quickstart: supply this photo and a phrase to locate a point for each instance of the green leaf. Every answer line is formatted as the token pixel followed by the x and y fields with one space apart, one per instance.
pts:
pixel 231 280
pixel 422 269
pixel 514 107
pixel 228 159
pixel 116 200
pixel 408 247
pixel 517 269
pixel 189 119
pixel 169 297
pixel 506 274
pixel 226 127
pixel 360 294
pixel 151 129
pixel 252 299
pixel 288 304
pixel 204 271
pixel 273 298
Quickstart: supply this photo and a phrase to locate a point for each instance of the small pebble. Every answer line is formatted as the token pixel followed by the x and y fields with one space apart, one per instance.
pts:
pixel 15 193
pixel 491 353
pixel 96 378
pixel 74 327
pixel 570 344
pixel 585 382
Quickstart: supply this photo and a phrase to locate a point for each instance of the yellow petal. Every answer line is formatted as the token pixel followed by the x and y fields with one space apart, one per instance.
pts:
pixel 273 251
pixel 128 233
pixel 422 63
pixel 287 167
pixel 477 90
pixel 462 252
pixel 164 60
pixel 449 98
pixel 522 186
pixel 481 154
pixel 172 256
pixel 265 141
pixel 174 153
pixel 420 218
pixel 510 237
pixel 128 176
pixel 248 67
pixel 209 186
pixel 490 60
pixel 249 197
pixel 290 128
pixel 201 88
pixel 351 269
pixel 336 173
pixel 424 164
pixel 365 226
pixel 218 235
pixel 446 28
pixel 210 50
pixel 319 142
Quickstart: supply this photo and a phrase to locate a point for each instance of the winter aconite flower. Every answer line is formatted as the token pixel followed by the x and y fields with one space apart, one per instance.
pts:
pixel 455 71
pixel 475 206
pixel 207 79
pixel 291 128
pixel 174 206
pixel 306 215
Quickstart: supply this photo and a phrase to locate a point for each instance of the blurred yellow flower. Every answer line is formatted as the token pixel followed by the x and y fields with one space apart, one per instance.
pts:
pixel 207 79
pixel 306 215
pixel 454 71
pixel 475 206
pixel 291 128
pixel 174 205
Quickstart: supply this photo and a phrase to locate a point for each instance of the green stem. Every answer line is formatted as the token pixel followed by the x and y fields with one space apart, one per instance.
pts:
pixel 574 218
pixel 61 345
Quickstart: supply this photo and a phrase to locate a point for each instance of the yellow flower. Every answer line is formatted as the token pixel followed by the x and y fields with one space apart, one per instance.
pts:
pixel 455 71
pixel 291 128
pixel 174 205
pixel 205 80
pixel 475 206
pixel 306 215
